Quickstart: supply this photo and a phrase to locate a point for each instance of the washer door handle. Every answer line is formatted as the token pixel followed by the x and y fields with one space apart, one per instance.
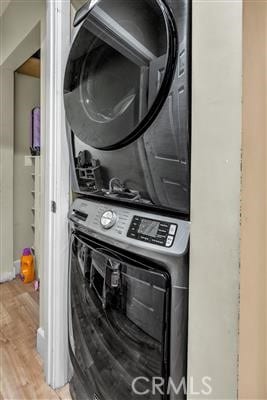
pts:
pixel 113 273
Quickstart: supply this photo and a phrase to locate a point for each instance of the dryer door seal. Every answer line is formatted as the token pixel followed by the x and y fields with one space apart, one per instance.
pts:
pixel 119 72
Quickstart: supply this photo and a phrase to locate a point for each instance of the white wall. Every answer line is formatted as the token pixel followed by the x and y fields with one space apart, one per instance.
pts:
pixel 27 96
pixel 216 174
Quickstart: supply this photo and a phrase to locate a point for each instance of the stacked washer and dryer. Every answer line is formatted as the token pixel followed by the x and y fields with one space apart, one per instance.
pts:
pixel 127 102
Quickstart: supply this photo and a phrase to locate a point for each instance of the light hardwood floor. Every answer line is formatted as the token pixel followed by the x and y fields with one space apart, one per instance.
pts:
pixel 21 374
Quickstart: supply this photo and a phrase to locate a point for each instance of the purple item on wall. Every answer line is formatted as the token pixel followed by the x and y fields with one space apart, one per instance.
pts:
pixel 27 252
pixel 35 134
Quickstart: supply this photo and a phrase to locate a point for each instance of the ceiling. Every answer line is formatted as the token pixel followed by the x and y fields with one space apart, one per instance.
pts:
pixel 31 67
pixel 3 6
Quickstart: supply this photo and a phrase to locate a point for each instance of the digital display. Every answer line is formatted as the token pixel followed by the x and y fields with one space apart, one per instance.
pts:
pixel 148 228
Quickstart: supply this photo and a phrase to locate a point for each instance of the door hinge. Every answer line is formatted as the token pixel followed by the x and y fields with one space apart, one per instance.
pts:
pixel 53 206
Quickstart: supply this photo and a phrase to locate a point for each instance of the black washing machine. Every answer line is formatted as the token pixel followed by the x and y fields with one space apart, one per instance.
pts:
pixel 127 102
pixel 128 293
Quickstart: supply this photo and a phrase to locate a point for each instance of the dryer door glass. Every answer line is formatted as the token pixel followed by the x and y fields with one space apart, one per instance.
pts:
pixel 120 324
pixel 119 71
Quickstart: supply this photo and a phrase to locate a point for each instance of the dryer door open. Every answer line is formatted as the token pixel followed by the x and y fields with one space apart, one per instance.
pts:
pixel 120 70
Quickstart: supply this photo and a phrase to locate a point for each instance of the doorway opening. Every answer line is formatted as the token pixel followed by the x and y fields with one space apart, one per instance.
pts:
pixel 27 166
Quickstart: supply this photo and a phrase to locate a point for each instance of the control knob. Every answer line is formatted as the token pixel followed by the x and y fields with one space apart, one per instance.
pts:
pixel 108 219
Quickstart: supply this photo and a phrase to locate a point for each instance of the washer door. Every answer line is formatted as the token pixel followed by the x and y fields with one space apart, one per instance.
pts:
pixel 119 323
pixel 119 71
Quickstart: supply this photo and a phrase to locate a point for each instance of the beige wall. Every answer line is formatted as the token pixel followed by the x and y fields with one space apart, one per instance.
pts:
pixel 253 296
pixel 27 96
pixel 19 18
pixel 6 176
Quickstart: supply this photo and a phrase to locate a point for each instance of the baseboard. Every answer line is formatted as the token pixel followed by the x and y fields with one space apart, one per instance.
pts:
pixel 7 276
pixel 41 344
pixel 16 265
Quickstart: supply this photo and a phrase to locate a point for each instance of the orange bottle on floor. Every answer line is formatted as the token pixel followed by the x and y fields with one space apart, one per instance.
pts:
pixel 27 266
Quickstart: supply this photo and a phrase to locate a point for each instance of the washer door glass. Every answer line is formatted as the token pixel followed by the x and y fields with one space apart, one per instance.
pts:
pixel 119 71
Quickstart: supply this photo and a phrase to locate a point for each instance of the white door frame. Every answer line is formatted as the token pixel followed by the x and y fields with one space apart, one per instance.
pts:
pixel 56 197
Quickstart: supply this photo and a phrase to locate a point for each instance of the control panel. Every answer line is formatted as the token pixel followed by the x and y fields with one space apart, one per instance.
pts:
pixel 148 230
pixel 148 233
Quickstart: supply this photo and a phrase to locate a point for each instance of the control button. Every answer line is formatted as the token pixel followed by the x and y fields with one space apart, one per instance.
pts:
pixel 144 238
pixel 163 225
pixel 163 230
pixel 132 234
pixel 169 241
pixel 157 241
pixel 172 229
pixel 108 219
